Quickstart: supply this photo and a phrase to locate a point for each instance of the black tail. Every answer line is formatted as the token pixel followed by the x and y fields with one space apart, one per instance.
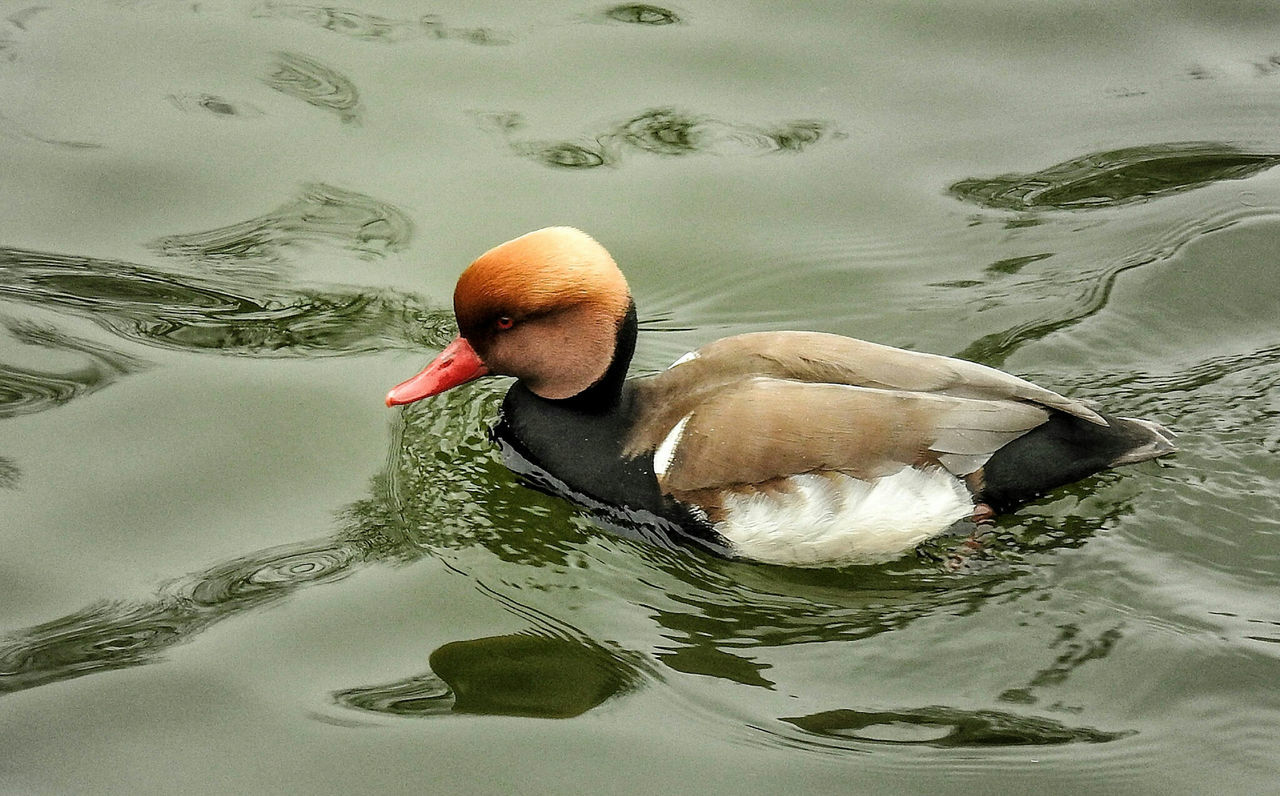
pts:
pixel 1064 450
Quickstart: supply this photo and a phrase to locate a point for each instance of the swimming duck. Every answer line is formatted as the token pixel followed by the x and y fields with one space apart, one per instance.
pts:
pixel 790 448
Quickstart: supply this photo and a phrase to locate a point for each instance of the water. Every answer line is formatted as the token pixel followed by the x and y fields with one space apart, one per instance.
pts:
pixel 230 227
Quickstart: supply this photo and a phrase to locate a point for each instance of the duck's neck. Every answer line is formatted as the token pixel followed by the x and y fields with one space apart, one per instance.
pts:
pixel 606 393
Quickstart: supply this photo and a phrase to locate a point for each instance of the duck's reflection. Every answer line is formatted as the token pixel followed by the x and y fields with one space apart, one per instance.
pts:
pixel 521 674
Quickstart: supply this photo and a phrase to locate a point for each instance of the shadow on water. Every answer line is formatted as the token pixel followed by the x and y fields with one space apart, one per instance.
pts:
pixel 356 24
pixel 1117 177
pixel 662 131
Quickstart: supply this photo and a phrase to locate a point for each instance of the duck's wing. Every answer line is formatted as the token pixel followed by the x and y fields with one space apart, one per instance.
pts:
pixel 764 428
pixel 817 358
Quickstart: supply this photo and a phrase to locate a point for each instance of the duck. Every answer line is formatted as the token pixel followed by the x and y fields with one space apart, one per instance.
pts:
pixel 792 448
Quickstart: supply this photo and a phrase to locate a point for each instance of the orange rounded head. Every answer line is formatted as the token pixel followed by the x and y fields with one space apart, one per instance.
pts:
pixel 545 308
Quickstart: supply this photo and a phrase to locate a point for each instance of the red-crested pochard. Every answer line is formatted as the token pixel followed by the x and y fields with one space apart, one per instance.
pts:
pixel 794 448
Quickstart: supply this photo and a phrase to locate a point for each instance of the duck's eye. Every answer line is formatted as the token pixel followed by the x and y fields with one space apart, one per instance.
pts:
pixel 504 323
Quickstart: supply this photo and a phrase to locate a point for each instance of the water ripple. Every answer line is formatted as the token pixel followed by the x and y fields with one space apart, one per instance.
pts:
pixel 357 24
pixel 418 695
pixel 10 473
pixel 1117 177
pixel 641 14
pixel 116 634
pixel 252 577
pixel 14 129
pixel 109 635
pixel 1094 288
pixel 307 79
pixel 322 213
pixel 25 390
pixel 171 312
pixel 938 726
pixel 215 105
pixel 664 131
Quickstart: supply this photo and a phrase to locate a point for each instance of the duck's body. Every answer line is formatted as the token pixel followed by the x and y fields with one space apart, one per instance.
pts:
pixel 795 448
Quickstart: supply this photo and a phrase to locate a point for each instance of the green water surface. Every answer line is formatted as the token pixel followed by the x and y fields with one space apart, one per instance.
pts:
pixel 229 227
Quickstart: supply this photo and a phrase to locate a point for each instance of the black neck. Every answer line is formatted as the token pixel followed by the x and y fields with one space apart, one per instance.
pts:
pixel 605 393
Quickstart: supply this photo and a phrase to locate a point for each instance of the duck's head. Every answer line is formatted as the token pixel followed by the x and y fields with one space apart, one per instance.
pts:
pixel 546 308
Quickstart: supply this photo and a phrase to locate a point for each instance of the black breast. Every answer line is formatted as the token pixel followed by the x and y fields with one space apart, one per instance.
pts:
pixel 575 451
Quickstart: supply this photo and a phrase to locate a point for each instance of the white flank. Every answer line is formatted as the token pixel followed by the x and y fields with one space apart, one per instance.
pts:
pixel 834 519
pixel 686 358
pixel 663 455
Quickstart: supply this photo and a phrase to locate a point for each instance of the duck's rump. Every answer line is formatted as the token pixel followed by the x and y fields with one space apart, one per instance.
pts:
pixel 1061 451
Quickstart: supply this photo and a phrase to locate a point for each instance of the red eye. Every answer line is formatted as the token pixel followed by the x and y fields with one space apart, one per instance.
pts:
pixel 504 323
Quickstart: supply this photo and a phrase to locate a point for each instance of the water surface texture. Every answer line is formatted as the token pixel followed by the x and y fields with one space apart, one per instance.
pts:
pixel 229 227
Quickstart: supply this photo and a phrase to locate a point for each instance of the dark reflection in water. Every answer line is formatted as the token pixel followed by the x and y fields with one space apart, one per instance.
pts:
pixel 641 14
pixel 172 312
pixel 1075 653
pixel 522 674
pixel 1095 288
pixel 214 104
pixel 322 213
pixel 357 24
pixel 20 19
pixel 105 636
pixel 940 726
pixel 314 83
pixel 14 129
pixel 1012 265
pixel 419 695
pixel 10 473
pixel 662 131
pixel 1117 177
pixel 726 611
pixel 25 390
pixel 444 491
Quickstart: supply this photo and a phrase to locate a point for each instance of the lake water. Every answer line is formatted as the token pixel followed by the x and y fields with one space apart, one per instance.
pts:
pixel 229 227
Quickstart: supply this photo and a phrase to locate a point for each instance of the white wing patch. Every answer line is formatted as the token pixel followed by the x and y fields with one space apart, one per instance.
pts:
pixel 667 450
pixel 833 519
pixel 692 355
